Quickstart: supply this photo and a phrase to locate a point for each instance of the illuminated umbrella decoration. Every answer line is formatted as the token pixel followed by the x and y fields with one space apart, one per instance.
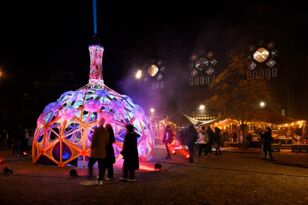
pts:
pixel 202 68
pixel 262 61
pixel 156 74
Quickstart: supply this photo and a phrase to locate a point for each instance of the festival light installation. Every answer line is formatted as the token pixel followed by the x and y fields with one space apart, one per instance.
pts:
pixel 156 74
pixel 65 128
pixel 262 61
pixel 202 68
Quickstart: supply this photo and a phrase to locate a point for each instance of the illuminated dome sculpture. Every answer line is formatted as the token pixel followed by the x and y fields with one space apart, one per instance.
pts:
pixel 65 128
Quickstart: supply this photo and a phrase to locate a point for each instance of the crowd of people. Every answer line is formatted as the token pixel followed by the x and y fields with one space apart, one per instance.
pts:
pixel 20 142
pixel 204 139
pixel 207 139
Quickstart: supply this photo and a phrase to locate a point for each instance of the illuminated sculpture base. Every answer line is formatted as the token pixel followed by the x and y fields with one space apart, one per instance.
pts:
pixel 65 128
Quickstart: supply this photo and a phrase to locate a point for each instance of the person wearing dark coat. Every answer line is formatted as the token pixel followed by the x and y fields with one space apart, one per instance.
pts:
pixel 218 140
pixel 100 139
pixel 18 135
pixel 181 137
pixel 267 143
pixel 110 158
pixel 211 135
pixel 130 154
pixel 190 138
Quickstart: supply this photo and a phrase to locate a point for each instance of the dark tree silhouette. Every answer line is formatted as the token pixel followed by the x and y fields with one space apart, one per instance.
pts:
pixel 239 98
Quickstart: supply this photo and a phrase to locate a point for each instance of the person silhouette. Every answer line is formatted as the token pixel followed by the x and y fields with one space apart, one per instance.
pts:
pixel 130 154
pixel 110 158
pixel 99 142
pixel 167 139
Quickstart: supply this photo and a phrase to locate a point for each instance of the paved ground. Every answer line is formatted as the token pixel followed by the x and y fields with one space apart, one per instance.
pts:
pixel 235 177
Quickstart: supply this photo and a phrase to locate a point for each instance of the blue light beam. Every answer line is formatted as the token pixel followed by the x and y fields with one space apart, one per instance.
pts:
pixel 94 16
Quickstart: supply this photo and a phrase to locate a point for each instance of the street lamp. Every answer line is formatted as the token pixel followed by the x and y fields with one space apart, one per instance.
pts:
pixel 262 104
pixel 152 111
pixel 138 74
pixel 201 107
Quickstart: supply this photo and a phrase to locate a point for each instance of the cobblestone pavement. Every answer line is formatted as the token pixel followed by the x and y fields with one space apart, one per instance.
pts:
pixel 235 177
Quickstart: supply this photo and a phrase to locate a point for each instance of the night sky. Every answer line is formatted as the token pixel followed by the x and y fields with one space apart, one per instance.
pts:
pixel 37 37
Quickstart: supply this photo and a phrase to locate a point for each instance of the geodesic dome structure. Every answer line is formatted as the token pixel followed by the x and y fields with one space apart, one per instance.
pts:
pixel 64 130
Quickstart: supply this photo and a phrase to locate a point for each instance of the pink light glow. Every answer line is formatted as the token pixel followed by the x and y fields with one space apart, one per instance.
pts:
pixel 143 166
pixel 64 130
pixel 146 167
pixel 96 56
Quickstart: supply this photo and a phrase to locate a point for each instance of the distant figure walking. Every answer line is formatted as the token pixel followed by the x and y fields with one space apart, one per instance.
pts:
pixel 130 154
pixel 30 141
pixel 167 140
pixel 218 140
pixel 18 135
pixel 267 143
pixel 202 141
pixel 211 136
pixel 110 158
pixel 234 137
pixel 181 137
pixel 26 139
pixel 100 139
pixel 190 138
pixel 261 142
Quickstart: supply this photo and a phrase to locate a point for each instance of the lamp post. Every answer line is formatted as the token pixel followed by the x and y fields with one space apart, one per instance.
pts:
pixel 262 104
pixel 152 113
pixel 152 117
pixel 201 109
pixel 138 74
pixel 152 110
